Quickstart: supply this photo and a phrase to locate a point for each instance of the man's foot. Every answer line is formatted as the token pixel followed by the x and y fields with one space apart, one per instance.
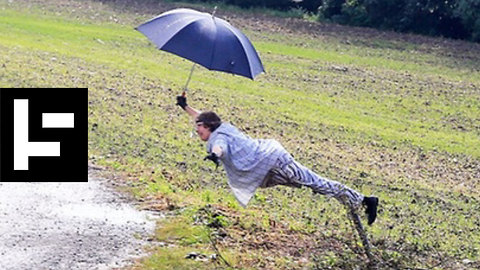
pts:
pixel 371 203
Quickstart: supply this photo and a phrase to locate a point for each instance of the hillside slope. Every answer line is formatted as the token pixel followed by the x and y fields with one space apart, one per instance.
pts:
pixel 393 115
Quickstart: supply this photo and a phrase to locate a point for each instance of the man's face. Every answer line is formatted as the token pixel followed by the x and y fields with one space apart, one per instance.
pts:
pixel 203 131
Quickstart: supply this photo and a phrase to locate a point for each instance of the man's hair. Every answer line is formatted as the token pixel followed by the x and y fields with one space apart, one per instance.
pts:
pixel 209 120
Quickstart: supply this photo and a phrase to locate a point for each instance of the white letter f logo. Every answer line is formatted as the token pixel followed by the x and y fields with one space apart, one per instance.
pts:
pixel 22 148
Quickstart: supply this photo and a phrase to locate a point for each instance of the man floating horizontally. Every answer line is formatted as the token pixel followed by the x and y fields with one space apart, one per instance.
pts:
pixel 251 163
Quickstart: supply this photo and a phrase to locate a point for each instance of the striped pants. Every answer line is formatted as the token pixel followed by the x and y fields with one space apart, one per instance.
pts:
pixel 288 172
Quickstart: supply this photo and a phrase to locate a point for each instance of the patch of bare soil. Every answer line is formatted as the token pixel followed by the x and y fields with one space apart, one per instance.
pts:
pixel 279 241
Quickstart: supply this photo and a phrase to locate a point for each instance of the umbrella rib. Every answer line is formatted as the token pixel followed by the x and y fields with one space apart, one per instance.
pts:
pixel 214 42
pixel 162 17
pixel 240 36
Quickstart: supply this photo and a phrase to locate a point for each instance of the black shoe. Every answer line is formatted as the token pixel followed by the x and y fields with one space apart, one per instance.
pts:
pixel 371 203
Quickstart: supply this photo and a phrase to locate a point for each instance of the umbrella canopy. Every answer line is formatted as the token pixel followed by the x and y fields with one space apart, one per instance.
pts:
pixel 204 39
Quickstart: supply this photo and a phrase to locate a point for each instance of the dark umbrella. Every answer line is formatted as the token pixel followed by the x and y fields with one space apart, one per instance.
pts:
pixel 203 39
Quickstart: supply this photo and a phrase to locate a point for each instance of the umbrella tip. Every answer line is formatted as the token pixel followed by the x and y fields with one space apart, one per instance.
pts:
pixel 214 10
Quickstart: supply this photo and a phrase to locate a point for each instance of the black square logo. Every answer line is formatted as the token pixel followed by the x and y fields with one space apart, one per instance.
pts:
pixel 43 135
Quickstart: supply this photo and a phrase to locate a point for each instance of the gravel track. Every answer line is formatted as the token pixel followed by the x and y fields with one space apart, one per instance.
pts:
pixel 69 226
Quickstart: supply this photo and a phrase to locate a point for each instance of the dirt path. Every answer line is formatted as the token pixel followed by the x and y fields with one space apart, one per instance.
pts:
pixel 69 226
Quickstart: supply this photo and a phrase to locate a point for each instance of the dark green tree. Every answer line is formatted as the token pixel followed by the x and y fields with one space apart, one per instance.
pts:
pixel 468 11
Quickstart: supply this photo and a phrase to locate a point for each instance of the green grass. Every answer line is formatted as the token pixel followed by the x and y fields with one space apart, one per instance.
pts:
pixel 388 117
pixel 114 46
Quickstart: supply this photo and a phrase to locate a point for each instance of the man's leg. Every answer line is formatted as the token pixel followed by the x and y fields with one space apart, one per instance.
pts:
pixel 288 172
pixel 306 177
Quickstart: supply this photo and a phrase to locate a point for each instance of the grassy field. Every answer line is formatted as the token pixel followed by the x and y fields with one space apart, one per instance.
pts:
pixel 393 115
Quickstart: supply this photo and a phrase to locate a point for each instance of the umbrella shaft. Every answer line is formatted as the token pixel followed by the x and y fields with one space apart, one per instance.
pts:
pixel 189 77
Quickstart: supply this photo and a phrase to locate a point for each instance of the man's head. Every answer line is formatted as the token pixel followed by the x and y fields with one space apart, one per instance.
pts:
pixel 207 122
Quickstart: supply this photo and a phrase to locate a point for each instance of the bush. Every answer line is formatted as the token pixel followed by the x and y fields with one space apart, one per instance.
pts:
pixel 453 19
pixel 468 11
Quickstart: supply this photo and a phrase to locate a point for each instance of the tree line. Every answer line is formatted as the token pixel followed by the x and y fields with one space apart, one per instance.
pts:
pixel 458 19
